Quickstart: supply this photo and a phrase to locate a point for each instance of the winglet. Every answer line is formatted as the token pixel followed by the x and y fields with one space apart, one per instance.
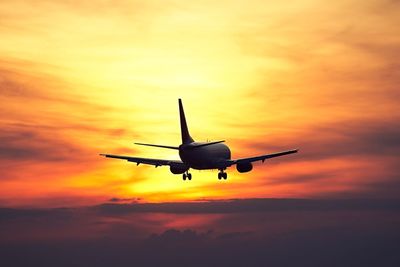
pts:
pixel 186 138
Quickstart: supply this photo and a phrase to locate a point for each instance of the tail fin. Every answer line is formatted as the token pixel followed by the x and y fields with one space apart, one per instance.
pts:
pixel 186 138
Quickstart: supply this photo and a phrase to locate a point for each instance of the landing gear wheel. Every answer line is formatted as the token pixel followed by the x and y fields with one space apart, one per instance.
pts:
pixel 187 175
pixel 222 175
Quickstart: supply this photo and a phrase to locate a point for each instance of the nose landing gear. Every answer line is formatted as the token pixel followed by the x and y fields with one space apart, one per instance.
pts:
pixel 187 175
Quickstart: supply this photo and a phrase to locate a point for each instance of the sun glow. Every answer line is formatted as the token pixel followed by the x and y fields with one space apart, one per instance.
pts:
pixel 79 79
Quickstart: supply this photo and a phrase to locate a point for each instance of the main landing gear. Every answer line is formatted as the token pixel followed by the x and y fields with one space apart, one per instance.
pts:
pixel 187 175
pixel 222 175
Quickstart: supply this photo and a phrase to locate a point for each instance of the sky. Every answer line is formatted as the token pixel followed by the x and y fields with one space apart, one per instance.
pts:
pixel 82 78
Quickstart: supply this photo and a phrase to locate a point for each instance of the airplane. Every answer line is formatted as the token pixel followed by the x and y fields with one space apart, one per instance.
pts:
pixel 199 155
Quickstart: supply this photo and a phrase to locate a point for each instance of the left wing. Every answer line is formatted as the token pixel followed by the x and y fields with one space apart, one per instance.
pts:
pixel 154 162
pixel 262 157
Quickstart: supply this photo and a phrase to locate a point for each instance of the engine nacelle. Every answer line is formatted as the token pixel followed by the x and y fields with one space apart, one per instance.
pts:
pixel 244 167
pixel 178 170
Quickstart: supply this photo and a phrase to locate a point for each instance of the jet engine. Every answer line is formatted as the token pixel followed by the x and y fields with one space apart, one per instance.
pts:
pixel 178 170
pixel 244 167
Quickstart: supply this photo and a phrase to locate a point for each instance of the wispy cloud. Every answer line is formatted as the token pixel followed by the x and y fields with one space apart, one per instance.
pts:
pixel 79 79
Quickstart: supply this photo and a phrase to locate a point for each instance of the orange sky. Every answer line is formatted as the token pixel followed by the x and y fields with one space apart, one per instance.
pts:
pixel 79 79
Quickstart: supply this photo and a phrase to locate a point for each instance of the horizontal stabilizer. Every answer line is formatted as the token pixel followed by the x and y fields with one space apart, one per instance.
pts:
pixel 205 144
pixel 162 146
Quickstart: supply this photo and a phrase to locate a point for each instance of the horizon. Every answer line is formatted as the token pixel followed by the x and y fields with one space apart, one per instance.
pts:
pixel 286 203
pixel 135 201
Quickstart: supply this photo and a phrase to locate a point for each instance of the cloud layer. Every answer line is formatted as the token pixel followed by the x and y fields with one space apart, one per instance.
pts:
pixel 231 233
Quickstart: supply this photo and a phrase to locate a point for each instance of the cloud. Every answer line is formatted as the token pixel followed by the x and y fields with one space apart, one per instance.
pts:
pixel 48 131
pixel 244 206
pixel 29 144
pixel 174 236
pixel 347 158
pixel 126 200
pixel 234 235
pixel 351 138
pixel 253 232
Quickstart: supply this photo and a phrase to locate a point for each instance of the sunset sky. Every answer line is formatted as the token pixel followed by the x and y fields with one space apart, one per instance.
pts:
pixel 79 78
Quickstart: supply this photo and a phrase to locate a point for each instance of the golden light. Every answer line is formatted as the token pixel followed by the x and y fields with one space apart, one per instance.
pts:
pixel 90 78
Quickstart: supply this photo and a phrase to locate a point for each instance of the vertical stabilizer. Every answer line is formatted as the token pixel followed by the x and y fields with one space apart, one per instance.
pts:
pixel 186 138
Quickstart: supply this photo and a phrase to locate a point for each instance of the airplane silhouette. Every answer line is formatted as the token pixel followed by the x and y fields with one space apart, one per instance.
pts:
pixel 199 155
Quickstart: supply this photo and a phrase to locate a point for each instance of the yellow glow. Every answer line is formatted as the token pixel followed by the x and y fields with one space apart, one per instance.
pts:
pixel 102 75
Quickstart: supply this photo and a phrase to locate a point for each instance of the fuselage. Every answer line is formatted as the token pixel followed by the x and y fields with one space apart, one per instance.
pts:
pixel 205 157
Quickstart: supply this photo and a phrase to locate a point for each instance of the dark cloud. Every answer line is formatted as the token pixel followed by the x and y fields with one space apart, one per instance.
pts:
pixel 245 206
pixel 302 178
pixel 125 200
pixel 174 236
pixel 32 214
pixel 252 233
pixel 234 235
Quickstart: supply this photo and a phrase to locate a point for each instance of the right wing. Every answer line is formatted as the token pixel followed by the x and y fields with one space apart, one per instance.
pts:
pixel 154 162
pixel 263 157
